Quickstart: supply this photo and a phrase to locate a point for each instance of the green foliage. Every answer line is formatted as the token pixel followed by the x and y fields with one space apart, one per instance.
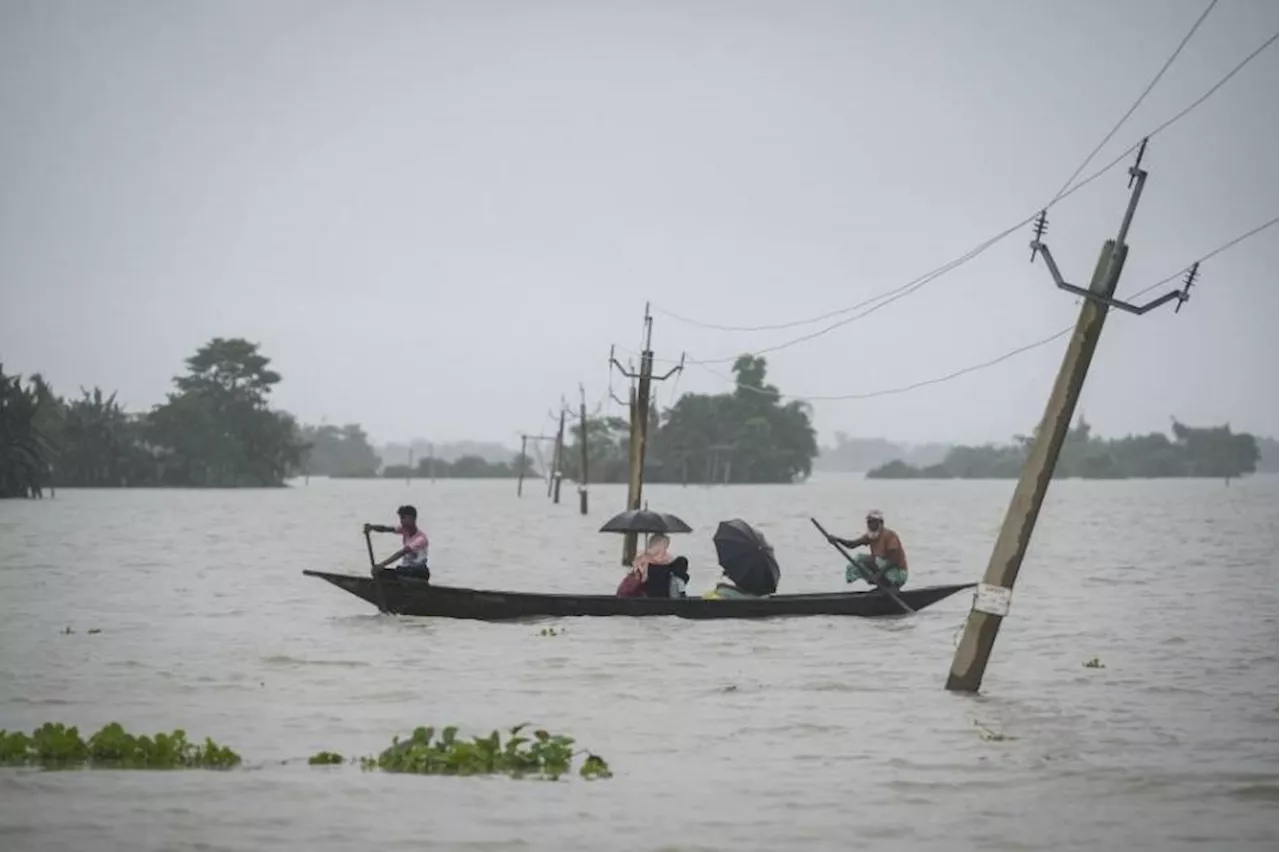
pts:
pixel 1194 452
pixel 1094 663
pixel 608 439
pixel 25 469
pixel 542 756
pixel 215 430
pixel 55 746
pixel 325 758
pixel 747 436
pixel 464 467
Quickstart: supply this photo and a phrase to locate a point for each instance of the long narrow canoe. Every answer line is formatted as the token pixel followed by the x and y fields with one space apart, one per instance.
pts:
pixel 407 596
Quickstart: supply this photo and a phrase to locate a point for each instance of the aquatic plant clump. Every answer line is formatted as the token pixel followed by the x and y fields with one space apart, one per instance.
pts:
pixel 56 746
pixel 325 758
pixel 542 756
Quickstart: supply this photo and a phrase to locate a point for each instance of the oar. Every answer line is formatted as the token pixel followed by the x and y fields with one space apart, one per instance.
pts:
pixel 887 589
pixel 373 571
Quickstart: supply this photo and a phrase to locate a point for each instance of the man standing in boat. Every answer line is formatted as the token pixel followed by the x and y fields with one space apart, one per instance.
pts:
pixel 885 564
pixel 413 555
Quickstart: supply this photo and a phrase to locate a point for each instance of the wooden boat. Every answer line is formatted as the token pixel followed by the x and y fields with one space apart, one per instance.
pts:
pixel 406 596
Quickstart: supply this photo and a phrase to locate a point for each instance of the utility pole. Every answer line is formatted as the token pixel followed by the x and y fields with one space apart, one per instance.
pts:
pixel 557 467
pixel 524 446
pixel 524 458
pixel 991 602
pixel 640 424
pixel 583 477
pixel 408 474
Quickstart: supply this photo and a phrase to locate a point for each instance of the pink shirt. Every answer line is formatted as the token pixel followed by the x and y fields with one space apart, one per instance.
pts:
pixel 417 544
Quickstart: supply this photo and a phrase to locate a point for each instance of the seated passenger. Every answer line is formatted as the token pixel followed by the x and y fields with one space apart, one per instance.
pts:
pixel 725 589
pixel 661 574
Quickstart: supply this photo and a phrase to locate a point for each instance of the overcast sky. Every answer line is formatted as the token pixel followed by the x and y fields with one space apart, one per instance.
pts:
pixel 436 217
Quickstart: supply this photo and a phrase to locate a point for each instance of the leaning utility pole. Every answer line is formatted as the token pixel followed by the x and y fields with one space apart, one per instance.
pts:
pixel 640 424
pixel 991 602
pixel 583 477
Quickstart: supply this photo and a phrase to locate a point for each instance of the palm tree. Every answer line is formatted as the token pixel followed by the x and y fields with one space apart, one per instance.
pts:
pixel 24 450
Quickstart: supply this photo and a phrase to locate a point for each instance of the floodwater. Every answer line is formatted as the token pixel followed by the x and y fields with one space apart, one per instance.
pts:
pixel 801 734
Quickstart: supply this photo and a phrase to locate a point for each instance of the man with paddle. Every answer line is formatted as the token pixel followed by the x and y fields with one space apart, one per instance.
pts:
pixel 413 554
pixel 885 564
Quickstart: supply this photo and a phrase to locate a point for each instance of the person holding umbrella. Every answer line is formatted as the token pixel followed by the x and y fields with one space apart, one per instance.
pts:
pixel 655 572
pixel 662 574
pixel 750 567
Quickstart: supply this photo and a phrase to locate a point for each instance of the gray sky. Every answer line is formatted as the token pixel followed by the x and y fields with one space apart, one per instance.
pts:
pixel 437 217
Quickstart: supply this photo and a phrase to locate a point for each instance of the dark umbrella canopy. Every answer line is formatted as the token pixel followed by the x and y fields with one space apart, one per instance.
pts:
pixel 746 557
pixel 645 521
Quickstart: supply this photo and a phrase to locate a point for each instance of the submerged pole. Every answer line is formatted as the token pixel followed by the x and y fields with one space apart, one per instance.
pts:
pixel 524 445
pixel 583 476
pixel 558 457
pixel 991 602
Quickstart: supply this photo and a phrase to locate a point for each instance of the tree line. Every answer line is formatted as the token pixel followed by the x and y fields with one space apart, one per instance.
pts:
pixel 215 429
pixel 1214 452
pixel 746 436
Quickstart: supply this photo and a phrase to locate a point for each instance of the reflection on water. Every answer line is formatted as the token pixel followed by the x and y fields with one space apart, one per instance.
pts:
pixel 815 733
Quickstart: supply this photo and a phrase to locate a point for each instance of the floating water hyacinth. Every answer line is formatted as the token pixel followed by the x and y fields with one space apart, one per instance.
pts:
pixel 56 746
pixel 544 755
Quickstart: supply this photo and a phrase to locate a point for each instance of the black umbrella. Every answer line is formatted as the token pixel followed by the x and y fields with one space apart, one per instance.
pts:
pixel 645 521
pixel 746 557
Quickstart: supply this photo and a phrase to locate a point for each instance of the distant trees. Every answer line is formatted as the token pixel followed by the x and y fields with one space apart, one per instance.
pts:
pixel 339 451
pixel 24 447
pixel 747 436
pixel 215 429
pixel 465 467
pixel 1193 452
pixel 850 454
pixel 1268 455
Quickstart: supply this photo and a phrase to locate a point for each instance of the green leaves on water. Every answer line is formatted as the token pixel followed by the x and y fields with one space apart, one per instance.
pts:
pixel 56 746
pixel 542 756
pixel 552 631
pixel 1094 663
pixel 595 767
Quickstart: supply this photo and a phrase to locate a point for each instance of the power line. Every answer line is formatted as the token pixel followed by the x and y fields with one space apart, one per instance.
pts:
pixel 1154 80
pixel 915 284
pixel 972 368
pixel 1219 250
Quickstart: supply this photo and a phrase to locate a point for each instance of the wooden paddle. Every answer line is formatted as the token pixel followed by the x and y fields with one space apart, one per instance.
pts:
pixel 373 571
pixel 887 589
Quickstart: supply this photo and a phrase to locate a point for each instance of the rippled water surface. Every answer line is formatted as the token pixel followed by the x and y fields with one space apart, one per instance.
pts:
pixel 801 734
